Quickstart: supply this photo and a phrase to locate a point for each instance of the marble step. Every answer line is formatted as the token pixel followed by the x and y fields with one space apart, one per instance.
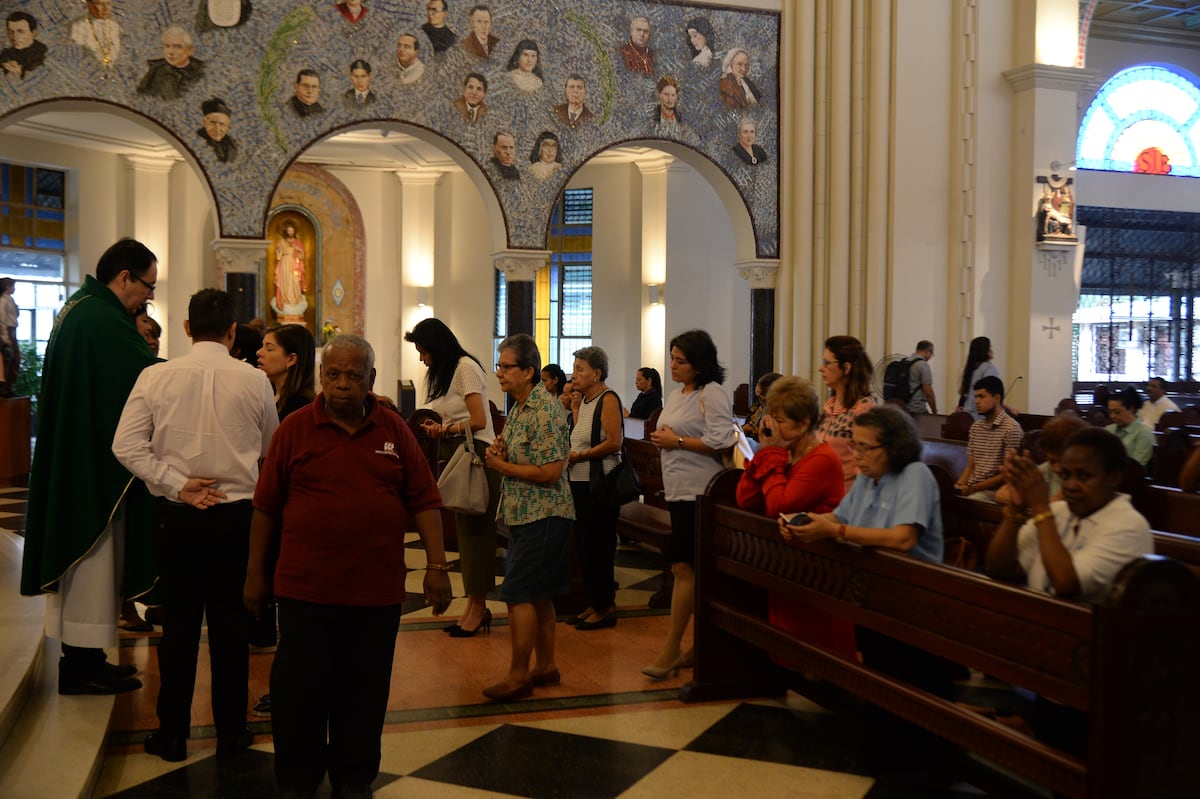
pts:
pixel 51 746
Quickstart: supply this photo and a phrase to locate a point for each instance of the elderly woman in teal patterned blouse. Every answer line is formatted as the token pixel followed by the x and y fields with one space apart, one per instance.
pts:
pixel 536 504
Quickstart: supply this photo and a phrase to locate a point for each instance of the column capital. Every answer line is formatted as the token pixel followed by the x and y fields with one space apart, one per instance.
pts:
pixel 424 177
pixel 1049 76
pixel 142 163
pixel 654 165
pixel 520 265
pixel 760 273
pixel 240 255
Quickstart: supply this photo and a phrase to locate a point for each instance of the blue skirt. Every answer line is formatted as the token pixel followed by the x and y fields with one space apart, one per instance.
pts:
pixel 537 565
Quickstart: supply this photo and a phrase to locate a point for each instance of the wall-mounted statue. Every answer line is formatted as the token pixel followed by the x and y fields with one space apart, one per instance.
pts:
pixel 1056 210
pixel 291 275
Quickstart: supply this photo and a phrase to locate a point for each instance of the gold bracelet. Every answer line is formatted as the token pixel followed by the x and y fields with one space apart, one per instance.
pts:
pixel 1043 516
pixel 438 567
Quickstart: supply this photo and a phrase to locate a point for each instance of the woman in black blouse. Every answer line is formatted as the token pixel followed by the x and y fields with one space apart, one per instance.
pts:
pixel 649 398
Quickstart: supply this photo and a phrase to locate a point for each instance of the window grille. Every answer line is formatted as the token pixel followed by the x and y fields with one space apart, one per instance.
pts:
pixel 1136 317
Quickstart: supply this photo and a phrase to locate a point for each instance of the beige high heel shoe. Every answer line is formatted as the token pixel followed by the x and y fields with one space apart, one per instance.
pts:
pixel 655 673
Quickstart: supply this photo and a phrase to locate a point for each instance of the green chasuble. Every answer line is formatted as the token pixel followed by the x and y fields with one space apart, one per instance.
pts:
pixel 92 361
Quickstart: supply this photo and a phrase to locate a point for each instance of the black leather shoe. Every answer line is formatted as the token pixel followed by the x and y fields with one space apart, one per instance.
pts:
pixel 169 749
pixel 101 684
pixel 119 671
pixel 598 622
pixel 234 742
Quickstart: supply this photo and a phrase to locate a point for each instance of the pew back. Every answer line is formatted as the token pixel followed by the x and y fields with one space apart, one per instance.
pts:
pixel 1123 660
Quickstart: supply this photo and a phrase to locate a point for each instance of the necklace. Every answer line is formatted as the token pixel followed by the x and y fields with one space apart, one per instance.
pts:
pixel 591 399
pixel 103 44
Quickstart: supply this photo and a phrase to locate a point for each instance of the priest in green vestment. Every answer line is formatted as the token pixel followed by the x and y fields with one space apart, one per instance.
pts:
pixel 87 523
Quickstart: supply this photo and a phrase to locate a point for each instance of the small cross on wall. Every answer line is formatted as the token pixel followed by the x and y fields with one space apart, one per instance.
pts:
pixel 1052 327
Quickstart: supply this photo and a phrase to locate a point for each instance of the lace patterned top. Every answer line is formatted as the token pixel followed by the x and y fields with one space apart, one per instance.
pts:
pixel 837 429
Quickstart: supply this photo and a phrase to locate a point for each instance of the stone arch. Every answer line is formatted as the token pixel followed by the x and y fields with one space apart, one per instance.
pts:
pixel 90 105
pixel 733 197
pixel 455 153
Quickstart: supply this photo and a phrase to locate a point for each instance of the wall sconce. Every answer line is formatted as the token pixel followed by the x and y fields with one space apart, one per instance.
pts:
pixel 1059 166
pixel 654 294
pixel 422 296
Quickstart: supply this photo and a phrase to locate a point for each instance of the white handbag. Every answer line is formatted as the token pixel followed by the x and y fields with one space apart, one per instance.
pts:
pixel 463 482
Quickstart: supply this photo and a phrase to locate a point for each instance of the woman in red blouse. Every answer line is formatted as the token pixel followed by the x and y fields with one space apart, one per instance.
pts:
pixel 795 471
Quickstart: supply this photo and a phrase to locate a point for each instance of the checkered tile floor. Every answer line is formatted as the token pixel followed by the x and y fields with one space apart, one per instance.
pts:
pixel 771 749
pixel 606 733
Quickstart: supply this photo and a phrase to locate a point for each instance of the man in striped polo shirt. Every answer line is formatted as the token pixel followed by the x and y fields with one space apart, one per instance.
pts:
pixel 991 439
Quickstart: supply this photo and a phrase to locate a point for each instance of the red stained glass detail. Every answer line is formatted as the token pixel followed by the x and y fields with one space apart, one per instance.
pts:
pixel 1152 161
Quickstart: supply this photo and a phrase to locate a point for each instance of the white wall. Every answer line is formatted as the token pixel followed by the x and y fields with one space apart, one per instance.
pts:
pixel 616 270
pixel 921 257
pixel 378 195
pixel 464 294
pixel 703 288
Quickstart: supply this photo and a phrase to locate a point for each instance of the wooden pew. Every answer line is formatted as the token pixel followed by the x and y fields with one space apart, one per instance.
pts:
pixel 958 426
pixel 929 425
pixel 950 454
pixel 648 521
pixel 976 522
pixel 1132 660
pixel 1032 421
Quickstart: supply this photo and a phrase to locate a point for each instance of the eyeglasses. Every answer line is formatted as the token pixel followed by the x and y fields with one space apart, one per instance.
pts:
pixel 500 367
pixel 150 286
pixel 863 448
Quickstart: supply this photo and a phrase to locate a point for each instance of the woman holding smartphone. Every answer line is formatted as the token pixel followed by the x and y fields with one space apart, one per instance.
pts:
pixel 795 473
pixel 793 470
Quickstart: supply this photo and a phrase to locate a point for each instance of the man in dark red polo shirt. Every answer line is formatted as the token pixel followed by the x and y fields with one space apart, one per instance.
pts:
pixel 341 482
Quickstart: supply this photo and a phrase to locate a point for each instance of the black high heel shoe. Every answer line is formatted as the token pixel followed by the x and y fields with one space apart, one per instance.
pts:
pixel 485 624
pixel 449 628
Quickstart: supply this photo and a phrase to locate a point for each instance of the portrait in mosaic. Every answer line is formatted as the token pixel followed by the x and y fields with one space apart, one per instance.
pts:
pixel 280 76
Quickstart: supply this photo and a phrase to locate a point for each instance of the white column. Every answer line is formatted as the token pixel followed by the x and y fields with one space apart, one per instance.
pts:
pixel 1044 289
pixel 654 260
pixel 148 219
pixel 413 283
pixel 241 256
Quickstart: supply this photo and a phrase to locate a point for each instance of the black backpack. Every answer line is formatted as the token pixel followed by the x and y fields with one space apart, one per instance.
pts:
pixel 896 379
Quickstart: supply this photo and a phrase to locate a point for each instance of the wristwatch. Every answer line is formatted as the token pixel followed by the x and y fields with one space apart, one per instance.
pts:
pixel 679 442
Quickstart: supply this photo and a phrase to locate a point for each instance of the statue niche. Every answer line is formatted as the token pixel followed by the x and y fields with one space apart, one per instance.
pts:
pixel 290 272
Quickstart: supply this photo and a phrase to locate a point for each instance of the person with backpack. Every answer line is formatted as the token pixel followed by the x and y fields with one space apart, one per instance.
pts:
pixel 911 381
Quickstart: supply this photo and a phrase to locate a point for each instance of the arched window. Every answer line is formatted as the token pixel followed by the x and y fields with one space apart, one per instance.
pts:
pixel 1144 119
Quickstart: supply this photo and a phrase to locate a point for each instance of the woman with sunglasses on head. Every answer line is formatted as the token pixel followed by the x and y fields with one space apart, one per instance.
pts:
pixel 456 387
pixel 695 426
pixel 846 370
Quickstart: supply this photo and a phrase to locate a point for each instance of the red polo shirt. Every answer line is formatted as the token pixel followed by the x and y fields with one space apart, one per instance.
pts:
pixel 344 500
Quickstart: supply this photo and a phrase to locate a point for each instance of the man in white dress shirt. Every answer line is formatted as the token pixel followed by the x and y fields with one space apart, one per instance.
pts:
pixel 1160 403
pixel 194 429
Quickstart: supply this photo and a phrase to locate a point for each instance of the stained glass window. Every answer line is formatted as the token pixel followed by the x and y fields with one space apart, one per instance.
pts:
pixel 1144 119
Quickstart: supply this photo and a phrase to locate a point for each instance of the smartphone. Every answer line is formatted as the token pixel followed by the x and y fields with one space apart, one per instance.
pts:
pixel 798 520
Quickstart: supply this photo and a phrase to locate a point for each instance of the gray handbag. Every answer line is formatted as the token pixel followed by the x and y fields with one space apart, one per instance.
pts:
pixel 464 483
